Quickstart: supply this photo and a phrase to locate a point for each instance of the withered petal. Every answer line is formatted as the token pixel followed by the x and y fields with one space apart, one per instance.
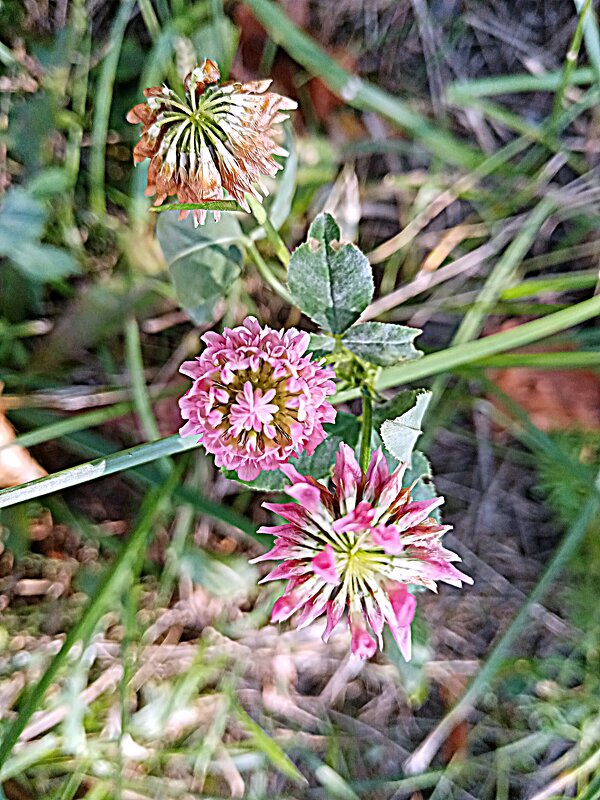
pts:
pixel 188 159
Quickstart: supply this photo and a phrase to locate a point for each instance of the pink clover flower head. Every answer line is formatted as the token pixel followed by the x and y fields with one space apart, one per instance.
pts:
pixel 356 547
pixel 257 399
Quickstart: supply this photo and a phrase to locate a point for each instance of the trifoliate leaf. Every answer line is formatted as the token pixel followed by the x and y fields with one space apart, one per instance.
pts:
pixel 382 343
pixel 329 281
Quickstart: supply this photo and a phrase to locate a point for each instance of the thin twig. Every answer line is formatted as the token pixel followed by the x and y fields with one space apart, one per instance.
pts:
pixel 427 280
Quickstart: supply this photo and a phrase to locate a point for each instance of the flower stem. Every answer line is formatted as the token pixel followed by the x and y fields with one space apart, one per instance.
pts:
pixel 367 425
pixel 208 205
pixel 267 274
pixel 260 215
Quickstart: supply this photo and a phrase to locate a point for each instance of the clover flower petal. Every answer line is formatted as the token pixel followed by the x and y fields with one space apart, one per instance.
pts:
pixel 214 138
pixel 355 548
pixel 244 399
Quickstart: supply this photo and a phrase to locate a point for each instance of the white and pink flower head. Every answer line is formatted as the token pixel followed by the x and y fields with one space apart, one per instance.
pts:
pixel 357 547
pixel 256 399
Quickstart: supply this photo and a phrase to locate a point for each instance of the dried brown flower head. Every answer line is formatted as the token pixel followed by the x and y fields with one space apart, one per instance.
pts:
pixel 215 138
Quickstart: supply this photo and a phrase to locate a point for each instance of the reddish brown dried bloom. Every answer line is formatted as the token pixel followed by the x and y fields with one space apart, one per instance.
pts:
pixel 216 138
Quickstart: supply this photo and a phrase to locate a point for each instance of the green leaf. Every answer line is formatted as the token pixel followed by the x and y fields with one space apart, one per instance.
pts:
pixel 346 428
pixel 22 220
pixel 320 344
pixel 43 262
pixel 382 343
pixel 399 404
pixel 204 262
pixel 331 282
pixel 400 434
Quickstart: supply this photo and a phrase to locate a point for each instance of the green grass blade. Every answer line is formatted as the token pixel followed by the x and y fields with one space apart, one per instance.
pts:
pixel 35 752
pixel 63 427
pixel 566 282
pixel 592 792
pixel 207 205
pixel 555 360
pixel 135 365
pixel 98 468
pixel 263 742
pixel 150 19
pixel 71 787
pixel 592 39
pixel 570 61
pixel 103 96
pixel 464 91
pixel 82 630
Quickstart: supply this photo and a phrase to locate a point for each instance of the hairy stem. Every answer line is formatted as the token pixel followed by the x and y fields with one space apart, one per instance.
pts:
pixel 261 216
pixel 267 274
pixel 367 425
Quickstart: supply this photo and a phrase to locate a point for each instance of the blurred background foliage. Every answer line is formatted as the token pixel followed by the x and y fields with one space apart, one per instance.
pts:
pixel 457 142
